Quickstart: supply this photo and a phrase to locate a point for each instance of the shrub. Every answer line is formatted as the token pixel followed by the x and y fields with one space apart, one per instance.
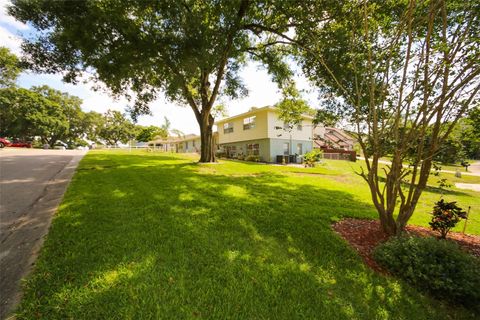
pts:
pixel 311 157
pixel 252 158
pixel 438 267
pixel 445 216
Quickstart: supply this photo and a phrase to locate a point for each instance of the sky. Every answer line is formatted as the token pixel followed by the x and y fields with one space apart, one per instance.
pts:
pixel 262 91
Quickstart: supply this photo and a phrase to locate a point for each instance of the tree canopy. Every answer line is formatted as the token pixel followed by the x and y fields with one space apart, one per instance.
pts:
pixel 191 51
pixel 400 72
pixel 27 113
pixel 149 133
pixel 9 67
pixel 116 128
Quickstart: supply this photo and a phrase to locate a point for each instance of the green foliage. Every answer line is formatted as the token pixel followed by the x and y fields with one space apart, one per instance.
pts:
pixel 446 215
pixel 388 69
pixel 252 158
pixel 438 267
pixel 93 123
pixel 116 128
pixel 292 111
pixel 29 113
pixel 312 157
pixel 149 133
pixel 9 67
pixel 326 117
pixel 191 51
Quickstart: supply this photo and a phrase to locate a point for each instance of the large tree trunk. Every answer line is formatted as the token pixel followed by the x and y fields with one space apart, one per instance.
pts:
pixel 207 150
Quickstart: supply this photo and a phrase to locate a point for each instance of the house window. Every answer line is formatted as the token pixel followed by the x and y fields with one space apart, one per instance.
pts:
pixel 299 149
pixel 186 144
pixel 286 149
pixel 228 127
pixel 193 143
pixel 249 123
pixel 230 151
pixel 299 127
pixel 253 149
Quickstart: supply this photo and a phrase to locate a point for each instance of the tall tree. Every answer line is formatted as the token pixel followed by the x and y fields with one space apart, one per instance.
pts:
pixel 9 67
pixel 70 109
pixel 93 124
pixel 166 125
pixel 116 128
pixel 190 50
pixel 26 114
pixel 400 71
pixel 149 133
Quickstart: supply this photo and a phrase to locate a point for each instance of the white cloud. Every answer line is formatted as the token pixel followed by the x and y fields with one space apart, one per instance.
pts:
pixel 9 20
pixel 9 40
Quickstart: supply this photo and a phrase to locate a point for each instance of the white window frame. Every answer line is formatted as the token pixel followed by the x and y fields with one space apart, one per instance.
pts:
pixel 228 127
pixel 249 123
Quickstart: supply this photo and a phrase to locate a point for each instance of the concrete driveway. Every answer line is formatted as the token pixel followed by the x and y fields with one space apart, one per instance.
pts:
pixel 32 184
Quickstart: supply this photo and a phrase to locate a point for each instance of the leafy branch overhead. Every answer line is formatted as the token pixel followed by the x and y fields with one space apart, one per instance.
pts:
pixel 191 51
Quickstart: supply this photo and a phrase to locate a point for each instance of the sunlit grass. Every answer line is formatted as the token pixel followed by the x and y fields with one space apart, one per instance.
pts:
pixel 149 235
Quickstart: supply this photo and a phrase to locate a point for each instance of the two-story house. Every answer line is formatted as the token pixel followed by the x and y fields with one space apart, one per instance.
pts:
pixel 261 133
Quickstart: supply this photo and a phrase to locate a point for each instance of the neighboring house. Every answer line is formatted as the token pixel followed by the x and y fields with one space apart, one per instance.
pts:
pixel 261 133
pixel 332 138
pixel 165 144
pixel 189 144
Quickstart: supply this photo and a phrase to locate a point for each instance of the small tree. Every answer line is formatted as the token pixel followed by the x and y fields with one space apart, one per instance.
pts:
pixel 312 157
pixel 446 215
pixel 403 74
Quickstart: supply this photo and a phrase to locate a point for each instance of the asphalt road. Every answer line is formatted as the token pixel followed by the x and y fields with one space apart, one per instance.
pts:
pixel 32 184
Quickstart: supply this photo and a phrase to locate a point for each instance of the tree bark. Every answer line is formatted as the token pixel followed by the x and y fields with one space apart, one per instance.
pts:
pixel 207 150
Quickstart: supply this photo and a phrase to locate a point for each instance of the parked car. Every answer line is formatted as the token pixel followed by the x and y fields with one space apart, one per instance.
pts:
pixel 4 143
pixel 20 144
pixel 60 145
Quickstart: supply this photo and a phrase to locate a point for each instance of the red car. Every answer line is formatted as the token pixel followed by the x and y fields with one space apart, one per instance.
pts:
pixel 4 143
pixel 15 144
pixel 20 144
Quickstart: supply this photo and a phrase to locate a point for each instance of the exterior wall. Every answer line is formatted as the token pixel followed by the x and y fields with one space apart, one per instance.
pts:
pixel 241 148
pixel 319 131
pixel 187 146
pixel 274 121
pixel 276 147
pixel 269 149
pixel 260 130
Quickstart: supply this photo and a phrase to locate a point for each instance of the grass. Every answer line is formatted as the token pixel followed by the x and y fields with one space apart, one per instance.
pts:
pixel 149 236
pixel 445 166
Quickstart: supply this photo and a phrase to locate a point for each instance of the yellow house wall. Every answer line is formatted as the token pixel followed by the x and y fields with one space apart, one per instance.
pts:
pixel 259 132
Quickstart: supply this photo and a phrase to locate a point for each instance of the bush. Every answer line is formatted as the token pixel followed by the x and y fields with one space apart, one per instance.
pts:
pixel 435 266
pixel 446 215
pixel 252 158
pixel 311 157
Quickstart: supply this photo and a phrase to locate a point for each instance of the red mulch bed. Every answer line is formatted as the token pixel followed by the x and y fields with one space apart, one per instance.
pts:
pixel 364 235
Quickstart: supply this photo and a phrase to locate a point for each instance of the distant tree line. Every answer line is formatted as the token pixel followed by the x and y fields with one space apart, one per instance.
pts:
pixel 52 116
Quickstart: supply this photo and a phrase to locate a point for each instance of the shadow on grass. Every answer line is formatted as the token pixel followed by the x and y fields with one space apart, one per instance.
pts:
pixel 432 189
pixel 150 237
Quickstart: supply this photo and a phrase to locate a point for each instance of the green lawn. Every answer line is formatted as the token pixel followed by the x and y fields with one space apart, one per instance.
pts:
pixel 148 235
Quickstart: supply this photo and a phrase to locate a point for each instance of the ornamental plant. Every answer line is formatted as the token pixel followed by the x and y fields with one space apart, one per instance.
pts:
pixel 311 157
pixel 446 215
